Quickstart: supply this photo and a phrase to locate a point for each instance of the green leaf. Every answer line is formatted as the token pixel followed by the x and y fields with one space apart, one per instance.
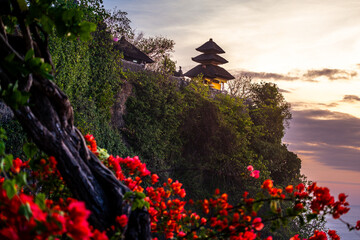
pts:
pixel 103 154
pixel 29 55
pixel 8 160
pixel 35 63
pixel 2 163
pixel 10 58
pixel 68 15
pixel 140 195
pixel 30 149
pixel 2 148
pixel 9 186
pixel 3 132
pixel 256 206
pixel 311 216
pixel 21 179
pixel 135 205
pixel 22 5
pixel 85 29
pixel 290 211
pixel 16 96
pixel 275 225
pixel 25 210
pixel 45 67
pixel 13 97
pixel 40 200
pixel 284 221
pixel 128 195
pixel 301 218
pixel 47 23
pixel 274 204
pixel 24 98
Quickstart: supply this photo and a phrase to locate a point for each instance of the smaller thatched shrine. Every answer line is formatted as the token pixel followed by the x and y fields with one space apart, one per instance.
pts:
pixel 209 60
pixel 132 53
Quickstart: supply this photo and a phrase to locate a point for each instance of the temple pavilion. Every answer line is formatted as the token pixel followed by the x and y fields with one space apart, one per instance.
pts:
pixel 209 60
pixel 132 53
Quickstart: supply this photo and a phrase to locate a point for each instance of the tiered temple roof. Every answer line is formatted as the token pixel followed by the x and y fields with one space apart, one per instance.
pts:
pixel 209 71
pixel 209 59
pixel 213 75
pixel 210 47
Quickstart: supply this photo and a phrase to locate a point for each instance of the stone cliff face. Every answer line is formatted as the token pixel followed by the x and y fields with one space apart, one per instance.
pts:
pixel 118 110
pixel 5 112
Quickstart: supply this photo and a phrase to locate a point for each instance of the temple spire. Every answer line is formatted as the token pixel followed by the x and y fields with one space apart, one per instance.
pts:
pixel 209 60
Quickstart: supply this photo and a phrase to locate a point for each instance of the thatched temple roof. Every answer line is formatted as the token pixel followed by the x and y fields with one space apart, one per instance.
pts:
pixel 209 58
pixel 131 52
pixel 210 47
pixel 209 71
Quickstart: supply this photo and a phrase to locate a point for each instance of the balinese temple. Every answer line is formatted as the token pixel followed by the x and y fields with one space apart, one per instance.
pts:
pixel 209 60
pixel 132 53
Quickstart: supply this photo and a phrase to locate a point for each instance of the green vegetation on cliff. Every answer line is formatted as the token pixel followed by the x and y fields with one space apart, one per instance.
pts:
pixel 205 140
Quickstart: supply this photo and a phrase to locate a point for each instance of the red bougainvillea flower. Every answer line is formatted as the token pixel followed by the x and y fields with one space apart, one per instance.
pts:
pixel 91 140
pixel 250 168
pixel 289 189
pixel 77 224
pixel 257 224
pixel 17 163
pixel 298 206
pixel 9 233
pixel 154 179
pixel 217 191
pixel 248 235
pixel 97 235
pixel 255 174
pixel 300 187
pixel 357 227
pixel 181 234
pixel 122 220
pixel 318 236
pixel 267 184
pixel 296 237
pixel 342 197
pixel 333 235
pixel 169 217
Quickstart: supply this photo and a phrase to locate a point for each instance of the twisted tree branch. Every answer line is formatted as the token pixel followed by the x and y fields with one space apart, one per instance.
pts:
pixel 48 119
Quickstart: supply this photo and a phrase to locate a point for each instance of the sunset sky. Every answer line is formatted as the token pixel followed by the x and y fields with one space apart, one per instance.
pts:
pixel 310 49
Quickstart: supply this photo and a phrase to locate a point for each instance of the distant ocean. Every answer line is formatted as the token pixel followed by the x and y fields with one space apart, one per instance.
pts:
pixel 351 217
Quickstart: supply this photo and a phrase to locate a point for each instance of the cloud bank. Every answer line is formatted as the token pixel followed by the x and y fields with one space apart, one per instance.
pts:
pixel 332 138
pixel 331 74
pixel 313 75
pixel 351 98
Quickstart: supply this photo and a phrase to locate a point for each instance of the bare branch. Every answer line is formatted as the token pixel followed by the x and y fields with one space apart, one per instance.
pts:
pixel 240 87
pixel 7 49
pixel 2 29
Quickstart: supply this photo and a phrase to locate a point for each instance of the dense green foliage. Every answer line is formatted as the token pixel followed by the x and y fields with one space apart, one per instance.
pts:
pixel 207 142
pixel 90 75
pixel 204 140
pixel 270 114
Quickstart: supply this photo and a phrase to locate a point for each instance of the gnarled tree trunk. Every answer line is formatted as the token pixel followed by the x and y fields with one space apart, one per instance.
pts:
pixel 48 119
